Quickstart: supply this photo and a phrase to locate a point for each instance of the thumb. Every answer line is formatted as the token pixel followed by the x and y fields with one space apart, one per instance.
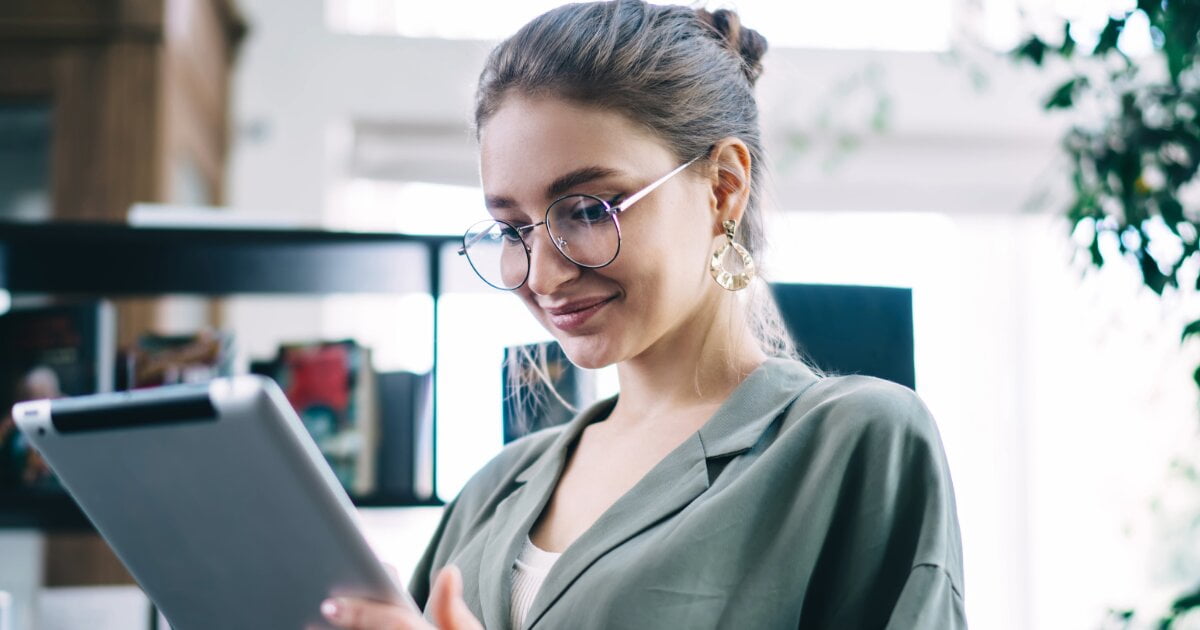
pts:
pixel 449 611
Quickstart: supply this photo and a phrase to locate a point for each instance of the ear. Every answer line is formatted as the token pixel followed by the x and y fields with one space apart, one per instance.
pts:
pixel 729 177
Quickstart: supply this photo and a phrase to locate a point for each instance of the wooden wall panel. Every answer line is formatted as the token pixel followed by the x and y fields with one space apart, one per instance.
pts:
pixel 107 150
pixel 199 50
pixel 131 128
pixel 81 559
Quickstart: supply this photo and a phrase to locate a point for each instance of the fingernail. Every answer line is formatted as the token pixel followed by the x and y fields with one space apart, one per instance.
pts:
pixel 331 608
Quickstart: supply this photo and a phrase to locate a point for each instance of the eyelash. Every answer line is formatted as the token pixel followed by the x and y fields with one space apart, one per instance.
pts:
pixel 613 200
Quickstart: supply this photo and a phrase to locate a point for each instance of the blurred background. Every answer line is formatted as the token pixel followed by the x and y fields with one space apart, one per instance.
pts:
pixel 190 188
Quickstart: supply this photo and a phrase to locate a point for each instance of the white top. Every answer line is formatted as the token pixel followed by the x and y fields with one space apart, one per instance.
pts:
pixel 529 571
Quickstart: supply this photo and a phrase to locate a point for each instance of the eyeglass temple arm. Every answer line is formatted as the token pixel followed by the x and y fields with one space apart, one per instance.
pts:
pixel 462 251
pixel 632 199
pixel 621 207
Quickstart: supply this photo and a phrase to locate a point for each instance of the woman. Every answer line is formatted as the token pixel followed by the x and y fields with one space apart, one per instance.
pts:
pixel 727 485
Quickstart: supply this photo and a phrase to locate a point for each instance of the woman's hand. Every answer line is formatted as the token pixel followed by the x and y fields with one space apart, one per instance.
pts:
pixel 446 605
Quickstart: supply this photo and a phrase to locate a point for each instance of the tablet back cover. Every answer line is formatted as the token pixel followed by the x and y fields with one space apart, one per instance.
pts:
pixel 215 498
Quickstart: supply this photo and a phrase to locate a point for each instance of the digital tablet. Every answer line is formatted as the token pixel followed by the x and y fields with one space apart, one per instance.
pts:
pixel 216 499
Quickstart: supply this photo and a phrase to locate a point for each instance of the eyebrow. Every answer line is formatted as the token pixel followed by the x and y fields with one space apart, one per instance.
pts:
pixel 560 186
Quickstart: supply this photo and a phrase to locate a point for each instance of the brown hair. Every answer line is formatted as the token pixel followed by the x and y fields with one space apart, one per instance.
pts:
pixel 685 74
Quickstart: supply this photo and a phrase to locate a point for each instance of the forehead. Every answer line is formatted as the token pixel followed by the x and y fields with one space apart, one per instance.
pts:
pixel 529 142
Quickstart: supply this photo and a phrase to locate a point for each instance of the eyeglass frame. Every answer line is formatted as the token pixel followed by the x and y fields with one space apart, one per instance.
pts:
pixel 609 208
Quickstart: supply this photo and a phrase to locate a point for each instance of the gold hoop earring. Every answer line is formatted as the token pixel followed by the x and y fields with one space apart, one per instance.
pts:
pixel 731 280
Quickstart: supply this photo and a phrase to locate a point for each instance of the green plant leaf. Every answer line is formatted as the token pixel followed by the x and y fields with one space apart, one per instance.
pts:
pixel 1171 211
pixel 1067 48
pixel 1034 49
pixel 1186 602
pixel 1152 276
pixel 1063 97
pixel 1094 250
pixel 1189 330
pixel 1150 7
pixel 881 117
pixel 1180 21
pixel 1189 248
pixel 1109 36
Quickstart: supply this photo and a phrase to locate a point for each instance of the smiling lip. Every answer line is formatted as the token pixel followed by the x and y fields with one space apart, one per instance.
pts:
pixel 572 315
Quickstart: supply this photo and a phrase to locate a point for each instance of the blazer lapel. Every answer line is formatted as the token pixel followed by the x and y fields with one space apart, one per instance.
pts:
pixel 739 424
pixel 517 512
pixel 670 486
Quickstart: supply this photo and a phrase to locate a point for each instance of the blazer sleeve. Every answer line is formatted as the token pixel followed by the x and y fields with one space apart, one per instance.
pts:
pixel 421 582
pixel 892 554
pixel 929 600
pixel 468 511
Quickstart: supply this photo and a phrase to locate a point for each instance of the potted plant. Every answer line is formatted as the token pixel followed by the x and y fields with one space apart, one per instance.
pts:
pixel 1134 158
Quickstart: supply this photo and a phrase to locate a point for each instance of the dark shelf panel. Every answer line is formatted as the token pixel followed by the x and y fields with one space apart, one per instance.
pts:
pixel 50 510
pixel 391 501
pixel 115 259
pixel 41 510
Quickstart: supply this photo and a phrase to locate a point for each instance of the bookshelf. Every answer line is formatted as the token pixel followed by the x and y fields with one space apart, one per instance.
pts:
pixel 88 259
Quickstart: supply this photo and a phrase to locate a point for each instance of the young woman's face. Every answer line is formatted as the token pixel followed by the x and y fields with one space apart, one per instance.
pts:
pixel 651 294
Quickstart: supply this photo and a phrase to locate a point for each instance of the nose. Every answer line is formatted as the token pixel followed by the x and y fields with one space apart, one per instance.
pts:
pixel 548 268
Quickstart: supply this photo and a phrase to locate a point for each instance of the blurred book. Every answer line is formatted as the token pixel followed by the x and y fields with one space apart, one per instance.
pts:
pixel 172 359
pixel 49 352
pixel 405 447
pixel 557 389
pixel 332 387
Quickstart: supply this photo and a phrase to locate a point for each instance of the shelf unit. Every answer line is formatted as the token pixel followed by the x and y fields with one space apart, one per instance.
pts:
pixel 116 260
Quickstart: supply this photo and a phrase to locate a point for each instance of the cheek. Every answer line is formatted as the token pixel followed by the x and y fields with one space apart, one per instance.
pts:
pixel 675 227
pixel 673 241
pixel 665 273
pixel 526 297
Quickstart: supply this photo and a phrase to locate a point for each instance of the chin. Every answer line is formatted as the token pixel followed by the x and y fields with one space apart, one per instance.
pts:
pixel 589 354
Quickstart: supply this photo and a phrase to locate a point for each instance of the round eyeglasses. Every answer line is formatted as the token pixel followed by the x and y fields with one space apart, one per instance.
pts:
pixel 583 228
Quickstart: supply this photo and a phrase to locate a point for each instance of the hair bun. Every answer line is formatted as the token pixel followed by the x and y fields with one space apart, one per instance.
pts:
pixel 747 43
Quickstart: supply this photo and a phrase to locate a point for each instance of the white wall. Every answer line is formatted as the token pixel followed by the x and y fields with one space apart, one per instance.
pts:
pixel 21 573
pixel 950 146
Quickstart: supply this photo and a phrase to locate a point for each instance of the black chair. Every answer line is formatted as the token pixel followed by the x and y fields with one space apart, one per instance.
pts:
pixel 852 329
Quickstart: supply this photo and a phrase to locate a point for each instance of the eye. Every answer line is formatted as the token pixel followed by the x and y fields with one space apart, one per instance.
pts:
pixel 589 210
pixel 509 234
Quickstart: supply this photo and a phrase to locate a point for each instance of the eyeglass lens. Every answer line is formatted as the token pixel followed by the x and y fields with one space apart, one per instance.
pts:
pixel 582 227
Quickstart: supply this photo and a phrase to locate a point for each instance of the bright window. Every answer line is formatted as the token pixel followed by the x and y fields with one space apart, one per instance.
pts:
pixel 361 204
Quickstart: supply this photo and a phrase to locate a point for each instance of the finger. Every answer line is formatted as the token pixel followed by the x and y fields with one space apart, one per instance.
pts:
pixel 351 613
pixel 446 604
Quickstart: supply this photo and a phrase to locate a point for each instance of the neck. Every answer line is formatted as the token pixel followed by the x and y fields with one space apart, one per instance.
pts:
pixel 695 366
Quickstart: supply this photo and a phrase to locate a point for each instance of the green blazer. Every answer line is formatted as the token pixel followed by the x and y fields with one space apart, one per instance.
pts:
pixel 804 502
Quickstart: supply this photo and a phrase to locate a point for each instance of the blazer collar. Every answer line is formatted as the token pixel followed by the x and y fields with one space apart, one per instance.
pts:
pixel 740 421
pixel 670 486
